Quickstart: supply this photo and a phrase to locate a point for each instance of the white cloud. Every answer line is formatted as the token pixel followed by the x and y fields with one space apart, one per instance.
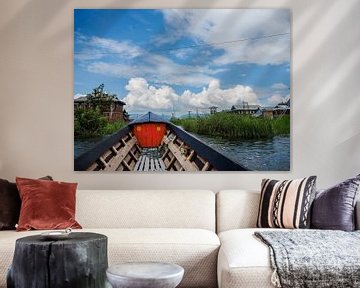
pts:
pixel 88 54
pixel 158 69
pixel 123 48
pixel 180 53
pixel 280 86
pixel 94 48
pixel 118 70
pixel 211 26
pixel 213 95
pixel 78 95
pixel 277 98
pixel 142 97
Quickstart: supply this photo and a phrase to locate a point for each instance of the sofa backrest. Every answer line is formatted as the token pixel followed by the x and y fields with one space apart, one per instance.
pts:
pixel 146 209
pixel 236 209
pixel 239 209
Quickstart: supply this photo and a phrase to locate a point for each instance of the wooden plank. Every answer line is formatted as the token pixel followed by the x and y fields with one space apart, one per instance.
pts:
pixel 162 165
pixel 188 166
pixel 141 168
pixel 206 166
pixel 137 165
pixel 115 162
pixel 93 167
pixel 146 166
pixel 114 150
pixel 138 148
pixel 216 159
pixel 103 162
pixel 166 153
pixel 152 165
pixel 190 156
pixel 126 165
pixel 85 160
pixel 172 161
pixel 157 165
pixel 133 155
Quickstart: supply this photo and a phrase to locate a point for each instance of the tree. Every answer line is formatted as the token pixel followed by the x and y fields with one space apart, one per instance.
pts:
pixel 101 100
pixel 89 123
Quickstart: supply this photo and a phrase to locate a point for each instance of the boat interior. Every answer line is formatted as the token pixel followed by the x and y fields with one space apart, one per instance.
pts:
pixel 173 154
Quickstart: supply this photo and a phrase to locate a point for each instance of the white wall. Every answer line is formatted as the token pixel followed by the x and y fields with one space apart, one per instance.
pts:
pixel 36 90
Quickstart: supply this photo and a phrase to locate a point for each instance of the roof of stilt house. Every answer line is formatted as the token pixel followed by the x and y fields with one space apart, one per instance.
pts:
pixel 245 107
pixel 83 99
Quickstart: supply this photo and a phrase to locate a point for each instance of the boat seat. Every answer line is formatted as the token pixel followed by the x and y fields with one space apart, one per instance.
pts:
pixel 146 163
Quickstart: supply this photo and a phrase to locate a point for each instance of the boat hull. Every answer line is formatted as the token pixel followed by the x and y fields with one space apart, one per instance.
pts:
pixel 154 146
pixel 122 152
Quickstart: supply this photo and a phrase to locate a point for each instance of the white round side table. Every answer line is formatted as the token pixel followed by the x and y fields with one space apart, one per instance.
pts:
pixel 145 275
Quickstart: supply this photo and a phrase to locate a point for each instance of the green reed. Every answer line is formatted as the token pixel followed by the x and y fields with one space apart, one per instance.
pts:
pixel 235 126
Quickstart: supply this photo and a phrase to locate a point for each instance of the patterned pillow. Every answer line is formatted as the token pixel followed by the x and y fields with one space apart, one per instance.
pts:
pixel 286 204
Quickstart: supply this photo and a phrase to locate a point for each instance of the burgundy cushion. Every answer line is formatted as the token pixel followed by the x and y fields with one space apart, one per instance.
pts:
pixel 334 208
pixel 46 204
pixel 10 204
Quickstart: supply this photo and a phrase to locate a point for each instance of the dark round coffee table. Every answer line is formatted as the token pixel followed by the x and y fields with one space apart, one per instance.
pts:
pixel 80 261
pixel 145 275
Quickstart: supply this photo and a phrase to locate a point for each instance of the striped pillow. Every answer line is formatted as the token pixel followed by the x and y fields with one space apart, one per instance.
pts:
pixel 286 204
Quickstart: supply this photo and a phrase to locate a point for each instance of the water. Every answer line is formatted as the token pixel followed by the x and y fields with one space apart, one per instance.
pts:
pixel 81 146
pixel 263 155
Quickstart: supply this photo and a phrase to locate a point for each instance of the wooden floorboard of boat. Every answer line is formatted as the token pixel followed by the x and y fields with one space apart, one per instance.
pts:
pixel 137 165
pixel 146 166
pixel 162 165
pixel 157 165
pixel 149 164
pixel 141 168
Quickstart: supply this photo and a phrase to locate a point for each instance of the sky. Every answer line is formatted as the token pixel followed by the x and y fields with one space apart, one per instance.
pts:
pixel 178 60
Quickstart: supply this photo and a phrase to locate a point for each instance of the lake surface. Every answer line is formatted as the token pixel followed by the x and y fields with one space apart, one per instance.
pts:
pixel 262 155
pixel 82 146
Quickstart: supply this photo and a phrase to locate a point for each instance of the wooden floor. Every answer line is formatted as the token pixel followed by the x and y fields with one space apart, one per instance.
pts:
pixel 146 163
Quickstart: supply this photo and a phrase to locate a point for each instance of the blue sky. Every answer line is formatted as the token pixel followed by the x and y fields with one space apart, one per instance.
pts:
pixel 175 60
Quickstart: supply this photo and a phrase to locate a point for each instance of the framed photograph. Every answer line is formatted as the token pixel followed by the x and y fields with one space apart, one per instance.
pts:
pixel 182 90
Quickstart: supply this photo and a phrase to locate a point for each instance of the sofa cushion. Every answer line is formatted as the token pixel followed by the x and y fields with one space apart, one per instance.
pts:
pixel 286 204
pixel 10 204
pixel 244 260
pixel 153 209
pixel 334 207
pixel 46 204
pixel 194 249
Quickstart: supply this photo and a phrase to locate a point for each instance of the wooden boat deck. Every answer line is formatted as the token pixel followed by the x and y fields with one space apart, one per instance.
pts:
pixel 146 163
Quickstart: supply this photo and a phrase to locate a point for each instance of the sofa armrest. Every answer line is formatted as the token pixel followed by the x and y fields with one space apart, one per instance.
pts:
pixel 357 215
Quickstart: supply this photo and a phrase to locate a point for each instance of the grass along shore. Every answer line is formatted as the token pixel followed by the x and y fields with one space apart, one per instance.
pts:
pixel 235 126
